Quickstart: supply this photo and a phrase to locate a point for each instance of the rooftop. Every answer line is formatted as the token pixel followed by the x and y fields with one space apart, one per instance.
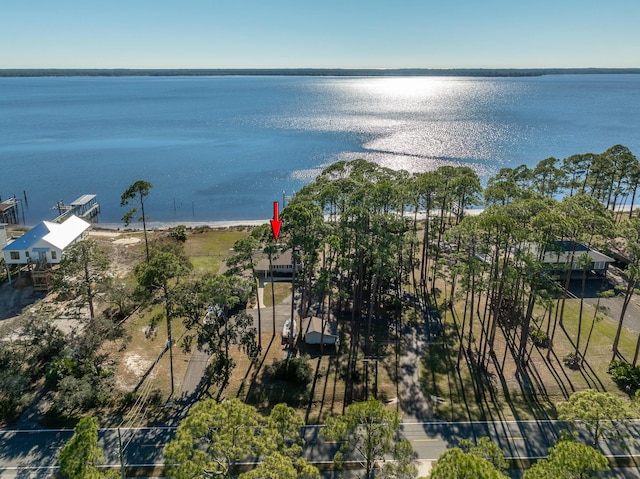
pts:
pixel 57 235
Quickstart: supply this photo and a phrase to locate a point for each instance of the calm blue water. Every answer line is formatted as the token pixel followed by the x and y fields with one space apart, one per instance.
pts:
pixel 225 148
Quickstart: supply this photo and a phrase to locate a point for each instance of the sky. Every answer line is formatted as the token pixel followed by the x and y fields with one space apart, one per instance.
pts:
pixel 320 34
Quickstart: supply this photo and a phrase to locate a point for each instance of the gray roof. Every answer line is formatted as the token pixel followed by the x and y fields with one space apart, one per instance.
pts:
pixel 568 250
pixel 83 200
pixel 283 259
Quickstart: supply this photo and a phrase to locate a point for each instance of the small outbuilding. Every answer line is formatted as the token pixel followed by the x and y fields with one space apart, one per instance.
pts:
pixel 319 331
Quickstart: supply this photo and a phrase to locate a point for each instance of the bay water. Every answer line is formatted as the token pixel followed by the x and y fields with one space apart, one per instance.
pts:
pixel 224 148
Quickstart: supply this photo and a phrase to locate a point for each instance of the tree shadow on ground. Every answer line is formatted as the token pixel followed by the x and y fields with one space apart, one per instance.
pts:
pixel 256 370
pixel 441 362
pixel 278 383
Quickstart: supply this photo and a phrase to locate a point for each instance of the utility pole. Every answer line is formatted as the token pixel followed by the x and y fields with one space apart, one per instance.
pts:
pixel 293 298
pixel 121 452
pixel 273 294
pixel 170 347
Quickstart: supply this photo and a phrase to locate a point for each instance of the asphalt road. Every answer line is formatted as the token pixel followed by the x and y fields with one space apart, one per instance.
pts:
pixel 33 453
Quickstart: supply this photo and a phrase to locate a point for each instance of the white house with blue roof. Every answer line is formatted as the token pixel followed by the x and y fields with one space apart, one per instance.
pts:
pixel 45 243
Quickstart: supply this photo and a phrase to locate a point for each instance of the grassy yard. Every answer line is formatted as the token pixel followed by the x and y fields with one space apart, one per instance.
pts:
pixel 208 248
pixel 499 393
pixel 282 290
pixel 323 397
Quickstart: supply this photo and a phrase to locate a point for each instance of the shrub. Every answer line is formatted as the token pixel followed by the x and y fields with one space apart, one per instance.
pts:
pixel 58 369
pixel 179 233
pixel 624 374
pixel 572 361
pixel 295 370
pixel 539 338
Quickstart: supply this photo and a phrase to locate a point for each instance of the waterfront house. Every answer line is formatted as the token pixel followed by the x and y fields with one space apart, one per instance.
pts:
pixel 282 265
pixel 559 256
pixel 565 254
pixel 43 245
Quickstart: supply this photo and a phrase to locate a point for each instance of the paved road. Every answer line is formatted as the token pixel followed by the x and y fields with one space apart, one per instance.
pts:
pixel 32 454
pixel 613 305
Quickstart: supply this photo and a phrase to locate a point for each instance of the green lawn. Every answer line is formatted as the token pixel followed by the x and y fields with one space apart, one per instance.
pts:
pixel 208 248
pixel 453 377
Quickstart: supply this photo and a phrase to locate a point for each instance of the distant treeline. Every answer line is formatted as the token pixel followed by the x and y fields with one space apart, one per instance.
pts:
pixel 467 72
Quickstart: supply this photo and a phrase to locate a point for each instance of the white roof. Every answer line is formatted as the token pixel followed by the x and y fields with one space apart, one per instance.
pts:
pixel 62 235
pixel 83 200
pixel 58 235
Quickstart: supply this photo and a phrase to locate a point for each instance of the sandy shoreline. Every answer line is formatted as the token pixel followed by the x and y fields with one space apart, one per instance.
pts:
pixel 164 225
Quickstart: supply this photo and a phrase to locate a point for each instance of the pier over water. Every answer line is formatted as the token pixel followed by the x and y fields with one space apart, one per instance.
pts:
pixel 86 207
pixel 9 211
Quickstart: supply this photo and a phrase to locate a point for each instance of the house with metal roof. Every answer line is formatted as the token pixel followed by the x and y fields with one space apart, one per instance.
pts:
pixel 561 256
pixel 281 265
pixel 44 244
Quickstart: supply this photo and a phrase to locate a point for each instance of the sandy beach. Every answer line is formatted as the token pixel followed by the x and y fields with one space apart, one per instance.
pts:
pixel 164 225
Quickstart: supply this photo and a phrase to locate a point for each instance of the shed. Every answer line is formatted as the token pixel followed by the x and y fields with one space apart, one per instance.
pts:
pixel 317 330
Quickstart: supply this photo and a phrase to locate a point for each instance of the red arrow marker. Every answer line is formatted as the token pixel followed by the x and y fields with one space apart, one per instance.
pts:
pixel 275 222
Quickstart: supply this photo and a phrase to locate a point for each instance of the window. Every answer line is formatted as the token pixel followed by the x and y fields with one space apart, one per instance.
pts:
pixel 15 255
pixel 26 253
pixel 54 255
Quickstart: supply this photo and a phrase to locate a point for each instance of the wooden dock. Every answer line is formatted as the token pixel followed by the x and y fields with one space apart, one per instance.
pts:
pixel 9 211
pixel 85 207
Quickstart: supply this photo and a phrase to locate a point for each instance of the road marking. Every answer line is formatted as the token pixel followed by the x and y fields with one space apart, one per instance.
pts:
pixel 430 439
pixel 517 438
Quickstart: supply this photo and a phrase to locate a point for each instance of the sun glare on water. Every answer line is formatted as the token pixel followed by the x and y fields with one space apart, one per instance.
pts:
pixel 405 93
pixel 419 123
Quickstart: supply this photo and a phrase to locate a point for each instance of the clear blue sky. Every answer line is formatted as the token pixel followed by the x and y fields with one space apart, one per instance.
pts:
pixel 319 34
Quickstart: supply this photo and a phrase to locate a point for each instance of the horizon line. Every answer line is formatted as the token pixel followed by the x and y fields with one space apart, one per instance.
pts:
pixel 312 71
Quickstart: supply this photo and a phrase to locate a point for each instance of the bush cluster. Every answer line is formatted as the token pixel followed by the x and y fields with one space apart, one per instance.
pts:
pixel 179 233
pixel 295 370
pixel 572 360
pixel 540 338
pixel 624 374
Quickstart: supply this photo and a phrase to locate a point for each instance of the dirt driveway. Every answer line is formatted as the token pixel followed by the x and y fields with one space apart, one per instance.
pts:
pixel 13 300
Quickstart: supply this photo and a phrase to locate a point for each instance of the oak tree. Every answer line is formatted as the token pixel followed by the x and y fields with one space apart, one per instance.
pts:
pixel 457 464
pixel 569 459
